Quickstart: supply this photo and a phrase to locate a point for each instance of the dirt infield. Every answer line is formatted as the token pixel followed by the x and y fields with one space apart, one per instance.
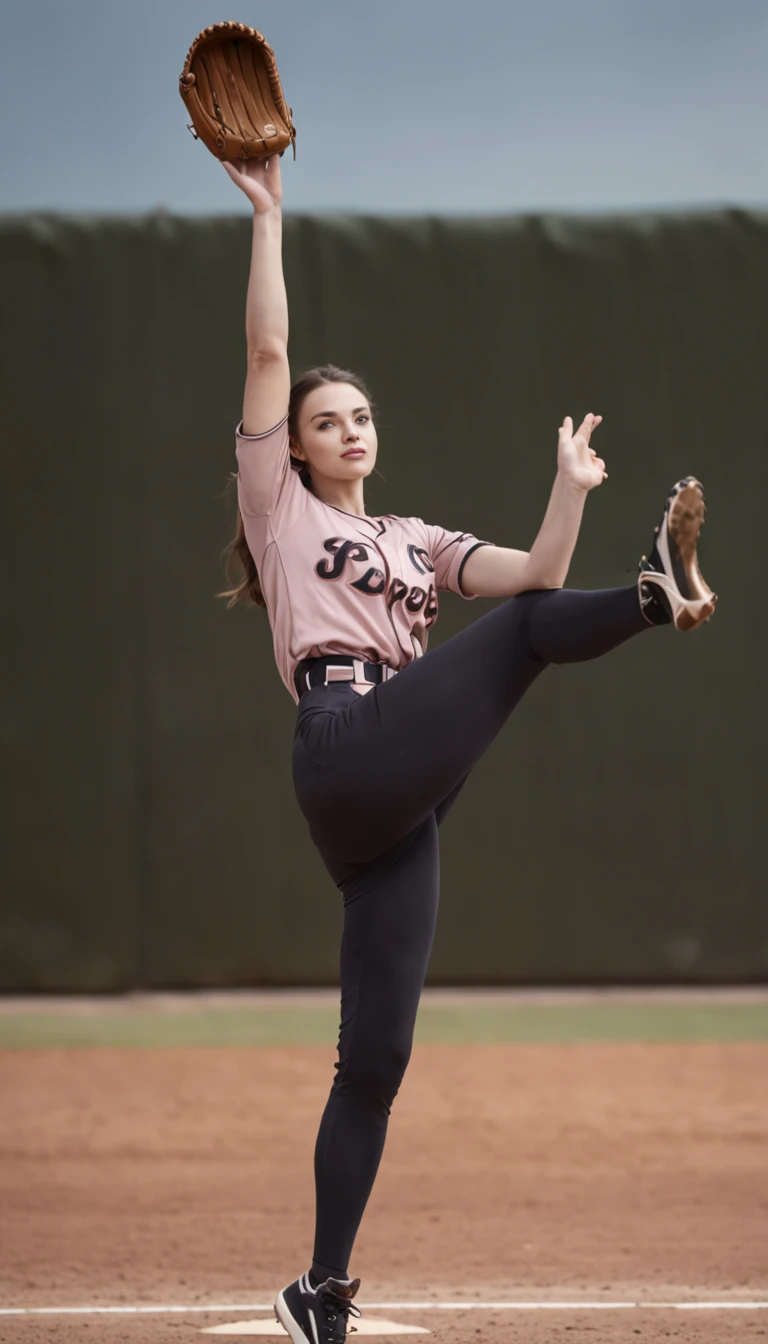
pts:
pixel 512 1172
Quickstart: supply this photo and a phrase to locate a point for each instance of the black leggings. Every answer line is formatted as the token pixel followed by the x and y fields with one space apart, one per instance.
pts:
pixel 375 775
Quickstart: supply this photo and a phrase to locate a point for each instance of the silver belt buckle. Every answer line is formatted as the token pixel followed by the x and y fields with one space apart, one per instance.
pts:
pixel 335 672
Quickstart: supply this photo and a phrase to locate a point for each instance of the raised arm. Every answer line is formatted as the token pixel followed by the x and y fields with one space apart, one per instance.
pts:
pixel 494 571
pixel 268 378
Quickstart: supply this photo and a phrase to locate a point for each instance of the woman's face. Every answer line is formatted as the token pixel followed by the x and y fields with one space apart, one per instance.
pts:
pixel 336 437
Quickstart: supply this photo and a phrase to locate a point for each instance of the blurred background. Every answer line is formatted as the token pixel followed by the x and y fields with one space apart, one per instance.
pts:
pixel 499 214
pixel 502 105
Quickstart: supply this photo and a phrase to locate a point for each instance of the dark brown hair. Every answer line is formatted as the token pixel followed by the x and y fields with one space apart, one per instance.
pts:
pixel 239 565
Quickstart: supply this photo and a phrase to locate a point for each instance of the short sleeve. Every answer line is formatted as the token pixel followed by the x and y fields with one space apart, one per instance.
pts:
pixel 449 552
pixel 264 468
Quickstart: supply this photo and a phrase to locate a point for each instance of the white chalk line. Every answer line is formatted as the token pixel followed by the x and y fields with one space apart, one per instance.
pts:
pixel 229 1307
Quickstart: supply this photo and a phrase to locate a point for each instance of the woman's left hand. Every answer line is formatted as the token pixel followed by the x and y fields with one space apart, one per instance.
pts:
pixel 576 461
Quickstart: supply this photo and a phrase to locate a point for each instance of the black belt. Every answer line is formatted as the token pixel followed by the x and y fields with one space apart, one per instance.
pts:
pixel 340 667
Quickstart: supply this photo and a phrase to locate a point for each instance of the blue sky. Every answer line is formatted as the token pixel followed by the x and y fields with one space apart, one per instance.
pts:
pixel 409 107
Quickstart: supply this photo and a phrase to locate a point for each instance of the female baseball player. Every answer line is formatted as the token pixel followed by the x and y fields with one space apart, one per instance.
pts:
pixel 386 733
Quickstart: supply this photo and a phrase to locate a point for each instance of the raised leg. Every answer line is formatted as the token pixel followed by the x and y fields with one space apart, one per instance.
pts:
pixel 368 769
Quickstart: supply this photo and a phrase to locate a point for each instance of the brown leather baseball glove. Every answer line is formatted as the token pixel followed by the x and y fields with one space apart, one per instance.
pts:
pixel 233 94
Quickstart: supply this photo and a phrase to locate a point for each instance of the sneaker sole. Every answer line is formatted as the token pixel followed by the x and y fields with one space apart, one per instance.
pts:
pixel 686 519
pixel 288 1322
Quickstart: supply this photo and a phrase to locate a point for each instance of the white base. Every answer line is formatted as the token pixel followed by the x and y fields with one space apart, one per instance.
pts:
pixel 368 1325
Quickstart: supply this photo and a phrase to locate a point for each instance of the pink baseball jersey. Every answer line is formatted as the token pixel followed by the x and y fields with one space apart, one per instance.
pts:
pixel 334 582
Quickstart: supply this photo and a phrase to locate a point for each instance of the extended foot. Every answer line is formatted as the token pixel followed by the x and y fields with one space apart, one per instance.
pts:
pixel 670 585
pixel 317 1315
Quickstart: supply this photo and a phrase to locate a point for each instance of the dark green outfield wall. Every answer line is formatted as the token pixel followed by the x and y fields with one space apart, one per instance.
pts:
pixel 615 832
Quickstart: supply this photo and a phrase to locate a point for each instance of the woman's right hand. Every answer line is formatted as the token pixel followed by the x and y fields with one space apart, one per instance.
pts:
pixel 259 179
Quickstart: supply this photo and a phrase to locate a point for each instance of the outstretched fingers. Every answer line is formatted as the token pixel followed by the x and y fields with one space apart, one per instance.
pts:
pixel 588 424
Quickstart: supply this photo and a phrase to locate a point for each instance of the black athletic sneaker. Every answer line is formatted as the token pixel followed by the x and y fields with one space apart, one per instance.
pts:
pixel 318 1315
pixel 670 579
